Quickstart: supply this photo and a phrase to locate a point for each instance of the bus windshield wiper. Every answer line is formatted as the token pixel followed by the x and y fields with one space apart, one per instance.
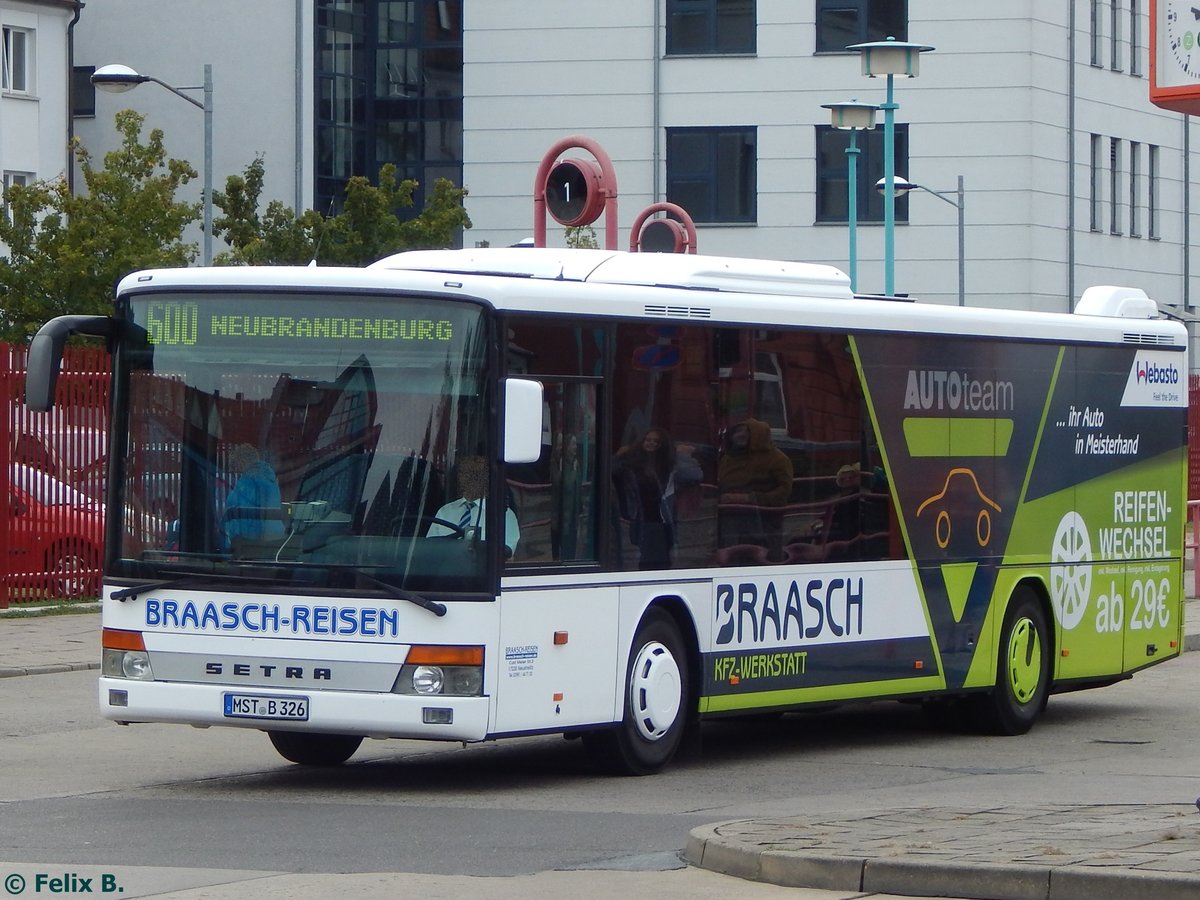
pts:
pixel 181 580
pixel 438 609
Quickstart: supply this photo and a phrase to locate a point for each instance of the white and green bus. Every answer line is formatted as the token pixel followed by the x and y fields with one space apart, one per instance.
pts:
pixel 701 487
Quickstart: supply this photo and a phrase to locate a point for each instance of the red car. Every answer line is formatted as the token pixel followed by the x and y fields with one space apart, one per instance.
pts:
pixel 56 535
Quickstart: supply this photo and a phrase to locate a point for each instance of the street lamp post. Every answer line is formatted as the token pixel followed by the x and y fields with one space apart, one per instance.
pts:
pixel 903 186
pixel 890 58
pixel 852 116
pixel 117 79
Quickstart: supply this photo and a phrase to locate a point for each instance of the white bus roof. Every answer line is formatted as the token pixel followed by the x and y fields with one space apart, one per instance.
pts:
pixel 687 287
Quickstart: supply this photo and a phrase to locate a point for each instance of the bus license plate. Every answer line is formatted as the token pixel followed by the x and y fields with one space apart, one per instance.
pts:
pixel 260 706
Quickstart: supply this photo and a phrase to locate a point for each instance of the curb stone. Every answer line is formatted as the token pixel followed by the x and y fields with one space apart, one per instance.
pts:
pixel 829 855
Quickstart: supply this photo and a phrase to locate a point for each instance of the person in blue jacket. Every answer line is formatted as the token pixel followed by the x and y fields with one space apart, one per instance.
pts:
pixel 253 509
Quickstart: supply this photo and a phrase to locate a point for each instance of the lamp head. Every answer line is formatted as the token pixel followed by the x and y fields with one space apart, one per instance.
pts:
pixel 890 57
pixel 900 185
pixel 852 114
pixel 117 79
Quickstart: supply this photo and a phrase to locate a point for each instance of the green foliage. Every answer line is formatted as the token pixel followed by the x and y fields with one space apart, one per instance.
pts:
pixel 367 228
pixel 66 251
pixel 581 237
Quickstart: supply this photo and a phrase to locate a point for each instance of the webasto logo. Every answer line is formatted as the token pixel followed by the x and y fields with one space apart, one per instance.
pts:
pixel 946 389
pixel 1153 373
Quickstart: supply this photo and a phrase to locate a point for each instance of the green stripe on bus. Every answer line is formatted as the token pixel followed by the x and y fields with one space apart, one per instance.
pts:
pixel 858 691
pixel 957 437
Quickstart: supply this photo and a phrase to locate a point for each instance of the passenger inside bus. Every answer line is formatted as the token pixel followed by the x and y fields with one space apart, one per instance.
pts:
pixel 755 481
pixel 253 508
pixel 648 478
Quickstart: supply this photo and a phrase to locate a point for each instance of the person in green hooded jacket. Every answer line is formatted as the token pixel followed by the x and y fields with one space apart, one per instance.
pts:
pixel 755 481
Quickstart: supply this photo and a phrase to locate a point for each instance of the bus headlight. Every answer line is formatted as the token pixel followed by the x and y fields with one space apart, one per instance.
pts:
pixel 132 664
pixel 124 655
pixel 456 681
pixel 428 679
pixel 441 671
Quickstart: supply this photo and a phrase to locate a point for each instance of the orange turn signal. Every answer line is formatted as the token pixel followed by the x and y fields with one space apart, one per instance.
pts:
pixel 427 655
pixel 116 639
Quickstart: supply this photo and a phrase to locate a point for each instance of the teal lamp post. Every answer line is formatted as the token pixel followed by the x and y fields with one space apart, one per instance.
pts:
pixel 890 58
pixel 852 116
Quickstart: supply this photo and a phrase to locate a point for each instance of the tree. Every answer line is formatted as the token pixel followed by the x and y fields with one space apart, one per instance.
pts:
pixel 66 251
pixel 367 228
pixel 581 237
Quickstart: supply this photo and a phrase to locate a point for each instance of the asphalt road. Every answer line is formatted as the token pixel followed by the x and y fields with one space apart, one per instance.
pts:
pixel 78 791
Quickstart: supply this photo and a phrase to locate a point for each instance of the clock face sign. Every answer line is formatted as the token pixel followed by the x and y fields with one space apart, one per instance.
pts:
pixel 1183 22
pixel 1175 55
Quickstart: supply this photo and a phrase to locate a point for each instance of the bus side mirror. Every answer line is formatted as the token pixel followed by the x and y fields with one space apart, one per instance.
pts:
pixel 46 352
pixel 522 420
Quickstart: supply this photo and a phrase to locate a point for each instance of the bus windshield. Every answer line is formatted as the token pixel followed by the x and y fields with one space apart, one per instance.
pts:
pixel 306 440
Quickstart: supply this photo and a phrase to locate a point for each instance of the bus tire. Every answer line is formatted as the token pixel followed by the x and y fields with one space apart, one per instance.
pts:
pixel 1022 669
pixel 657 690
pixel 308 749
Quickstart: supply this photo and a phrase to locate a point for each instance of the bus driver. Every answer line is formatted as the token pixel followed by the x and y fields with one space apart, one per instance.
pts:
pixel 469 511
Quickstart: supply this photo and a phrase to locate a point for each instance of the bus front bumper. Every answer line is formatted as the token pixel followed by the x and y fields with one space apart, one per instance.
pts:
pixel 378 715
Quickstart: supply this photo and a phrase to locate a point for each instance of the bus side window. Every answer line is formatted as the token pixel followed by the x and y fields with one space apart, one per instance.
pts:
pixel 554 498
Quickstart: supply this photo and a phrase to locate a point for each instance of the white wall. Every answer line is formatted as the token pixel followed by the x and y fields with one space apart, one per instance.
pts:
pixel 992 103
pixel 33 127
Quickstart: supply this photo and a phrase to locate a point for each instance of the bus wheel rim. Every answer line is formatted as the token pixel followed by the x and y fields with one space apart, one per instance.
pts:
pixel 655 691
pixel 1024 660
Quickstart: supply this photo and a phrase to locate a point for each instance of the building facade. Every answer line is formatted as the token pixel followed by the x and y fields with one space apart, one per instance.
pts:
pixel 34 70
pixel 1071 177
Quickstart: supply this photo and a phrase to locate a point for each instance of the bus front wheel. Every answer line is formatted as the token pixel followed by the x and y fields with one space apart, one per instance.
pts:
pixel 656 697
pixel 314 749
pixel 1022 669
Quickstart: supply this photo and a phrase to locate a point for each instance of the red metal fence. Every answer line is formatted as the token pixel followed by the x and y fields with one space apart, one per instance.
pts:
pixel 1194 437
pixel 53 463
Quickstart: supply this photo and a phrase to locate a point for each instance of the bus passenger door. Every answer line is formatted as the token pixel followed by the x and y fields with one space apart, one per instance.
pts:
pixel 558 622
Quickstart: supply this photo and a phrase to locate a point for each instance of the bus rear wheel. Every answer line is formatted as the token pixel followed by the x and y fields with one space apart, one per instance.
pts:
pixel 1022 670
pixel 314 749
pixel 656 697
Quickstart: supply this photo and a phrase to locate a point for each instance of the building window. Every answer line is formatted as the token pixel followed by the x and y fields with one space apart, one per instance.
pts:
pixel 1114 185
pixel 1115 36
pixel 712 172
pixel 1135 37
pixel 16 71
pixel 833 171
pixel 1096 192
pixel 711 26
pixel 18 179
pixel 1097 34
pixel 1135 188
pixel 844 22
pixel 388 90
pixel 83 92
pixel 1152 192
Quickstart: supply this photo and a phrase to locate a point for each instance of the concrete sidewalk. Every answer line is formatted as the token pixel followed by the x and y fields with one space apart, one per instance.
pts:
pixel 1050 852
pixel 45 644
